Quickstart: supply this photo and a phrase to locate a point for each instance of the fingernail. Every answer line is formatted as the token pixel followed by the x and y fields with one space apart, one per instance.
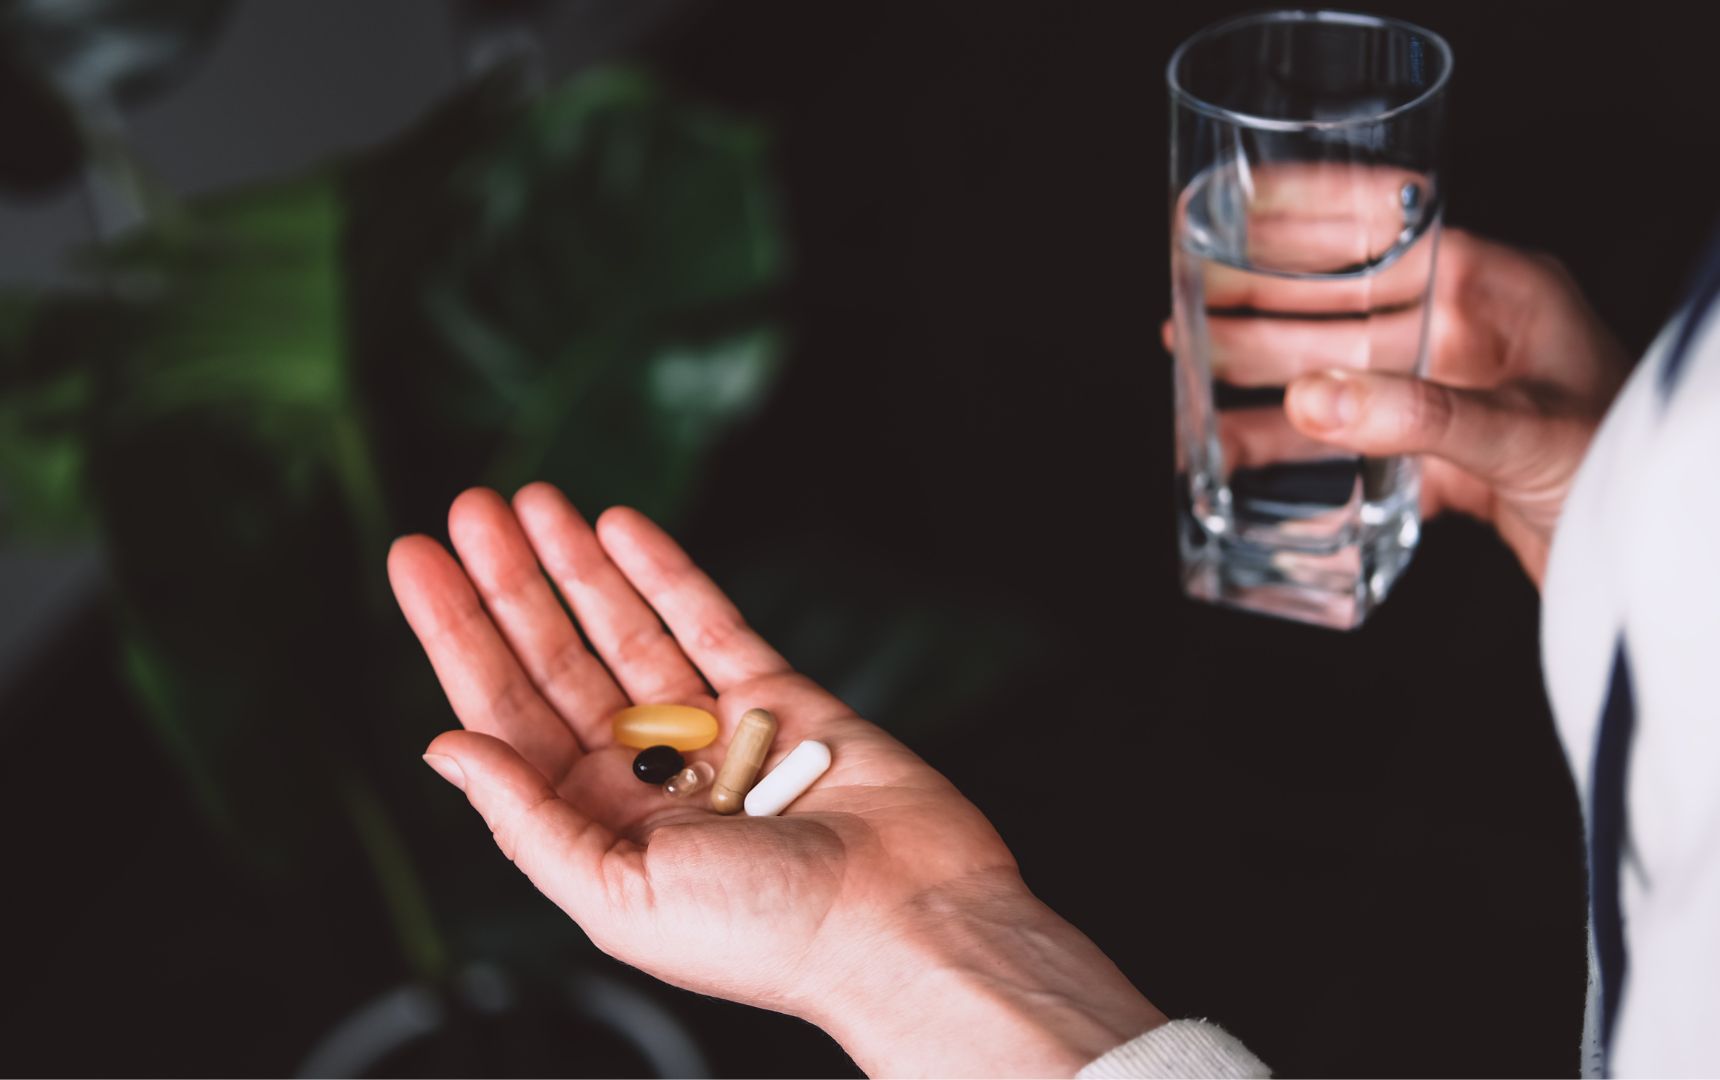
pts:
pixel 1326 401
pixel 447 768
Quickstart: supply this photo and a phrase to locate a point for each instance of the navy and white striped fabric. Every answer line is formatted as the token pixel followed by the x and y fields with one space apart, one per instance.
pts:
pixel 1694 315
pixel 1631 633
pixel 1606 838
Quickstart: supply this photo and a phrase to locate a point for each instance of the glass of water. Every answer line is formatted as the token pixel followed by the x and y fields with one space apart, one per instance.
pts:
pixel 1305 218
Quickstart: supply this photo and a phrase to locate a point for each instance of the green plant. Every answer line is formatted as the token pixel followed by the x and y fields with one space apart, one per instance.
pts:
pixel 273 383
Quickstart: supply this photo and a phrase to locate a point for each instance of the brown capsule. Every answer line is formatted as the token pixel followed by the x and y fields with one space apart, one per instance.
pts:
pixel 747 751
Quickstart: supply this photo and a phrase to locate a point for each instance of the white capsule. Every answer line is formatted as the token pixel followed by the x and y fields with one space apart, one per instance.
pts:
pixel 789 780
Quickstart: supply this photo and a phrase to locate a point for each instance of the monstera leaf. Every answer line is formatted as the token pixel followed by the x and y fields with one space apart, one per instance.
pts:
pixel 281 379
pixel 45 393
pixel 582 301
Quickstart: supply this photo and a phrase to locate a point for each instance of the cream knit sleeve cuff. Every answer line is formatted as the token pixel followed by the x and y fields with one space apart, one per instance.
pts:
pixel 1188 1048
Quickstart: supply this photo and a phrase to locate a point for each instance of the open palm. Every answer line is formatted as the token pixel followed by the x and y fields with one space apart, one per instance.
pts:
pixel 770 911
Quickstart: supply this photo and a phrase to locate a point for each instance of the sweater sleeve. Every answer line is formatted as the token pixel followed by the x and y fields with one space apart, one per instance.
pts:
pixel 1191 1048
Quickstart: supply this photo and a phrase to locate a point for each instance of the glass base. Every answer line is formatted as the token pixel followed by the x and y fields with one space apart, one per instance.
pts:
pixel 1337 588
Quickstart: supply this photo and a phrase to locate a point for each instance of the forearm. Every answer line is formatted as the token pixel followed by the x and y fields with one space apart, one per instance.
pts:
pixel 983 980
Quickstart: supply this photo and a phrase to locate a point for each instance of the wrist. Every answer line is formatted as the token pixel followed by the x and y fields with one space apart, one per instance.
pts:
pixel 981 978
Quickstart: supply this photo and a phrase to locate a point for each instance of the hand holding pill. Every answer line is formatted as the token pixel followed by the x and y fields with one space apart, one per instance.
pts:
pixel 855 862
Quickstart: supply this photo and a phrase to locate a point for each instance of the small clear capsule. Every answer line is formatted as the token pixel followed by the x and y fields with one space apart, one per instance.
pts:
pixel 690 781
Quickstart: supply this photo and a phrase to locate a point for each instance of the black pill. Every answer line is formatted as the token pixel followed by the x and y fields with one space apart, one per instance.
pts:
pixel 656 764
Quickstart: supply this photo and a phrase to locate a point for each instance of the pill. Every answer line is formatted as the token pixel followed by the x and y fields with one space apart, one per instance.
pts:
pixel 656 764
pixel 680 726
pixel 747 751
pixel 689 781
pixel 789 780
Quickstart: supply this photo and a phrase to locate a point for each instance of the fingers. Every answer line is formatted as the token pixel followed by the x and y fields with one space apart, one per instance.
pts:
pixel 1362 189
pixel 1311 217
pixel 1271 322
pixel 705 622
pixel 1400 285
pixel 1259 437
pixel 1507 313
pixel 1484 293
pixel 500 562
pixel 1491 434
pixel 1252 351
pixel 574 860
pixel 626 633
pixel 484 682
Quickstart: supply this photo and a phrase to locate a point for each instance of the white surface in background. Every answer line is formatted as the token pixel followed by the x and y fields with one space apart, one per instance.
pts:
pixel 290 83
pixel 286 84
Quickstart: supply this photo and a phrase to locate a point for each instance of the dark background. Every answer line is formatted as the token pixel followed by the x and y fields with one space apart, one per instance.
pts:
pixel 1360 853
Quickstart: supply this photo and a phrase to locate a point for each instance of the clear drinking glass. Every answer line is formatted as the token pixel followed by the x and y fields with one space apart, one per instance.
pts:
pixel 1305 217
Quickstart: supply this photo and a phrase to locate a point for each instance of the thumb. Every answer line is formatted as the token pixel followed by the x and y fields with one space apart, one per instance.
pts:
pixel 561 850
pixel 1480 431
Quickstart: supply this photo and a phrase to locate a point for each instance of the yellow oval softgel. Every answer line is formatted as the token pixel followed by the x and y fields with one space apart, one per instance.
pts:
pixel 680 726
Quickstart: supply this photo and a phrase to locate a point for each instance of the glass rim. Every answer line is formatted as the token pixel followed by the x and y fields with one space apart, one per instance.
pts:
pixel 1181 95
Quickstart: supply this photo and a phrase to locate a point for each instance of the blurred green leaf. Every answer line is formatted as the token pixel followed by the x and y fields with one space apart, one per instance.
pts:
pixel 576 286
pixel 580 287
pixel 586 299
pixel 213 464
pixel 50 365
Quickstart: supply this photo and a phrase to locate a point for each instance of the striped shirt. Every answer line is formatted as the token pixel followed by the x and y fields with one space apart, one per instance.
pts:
pixel 1630 631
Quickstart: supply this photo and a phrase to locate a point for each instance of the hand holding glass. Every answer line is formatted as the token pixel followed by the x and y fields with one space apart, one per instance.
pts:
pixel 1306 217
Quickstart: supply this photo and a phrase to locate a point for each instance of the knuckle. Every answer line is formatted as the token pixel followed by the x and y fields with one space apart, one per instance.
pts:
pixel 1428 415
pixel 511 832
pixel 637 646
pixel 681 575
pixel 463 622
pixel 1552 263
pixel 721 633
pixel 515 582
pixel 515 698
pixel 1557 272
pixel 625 892
pixel 567 665
pixel 506 838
